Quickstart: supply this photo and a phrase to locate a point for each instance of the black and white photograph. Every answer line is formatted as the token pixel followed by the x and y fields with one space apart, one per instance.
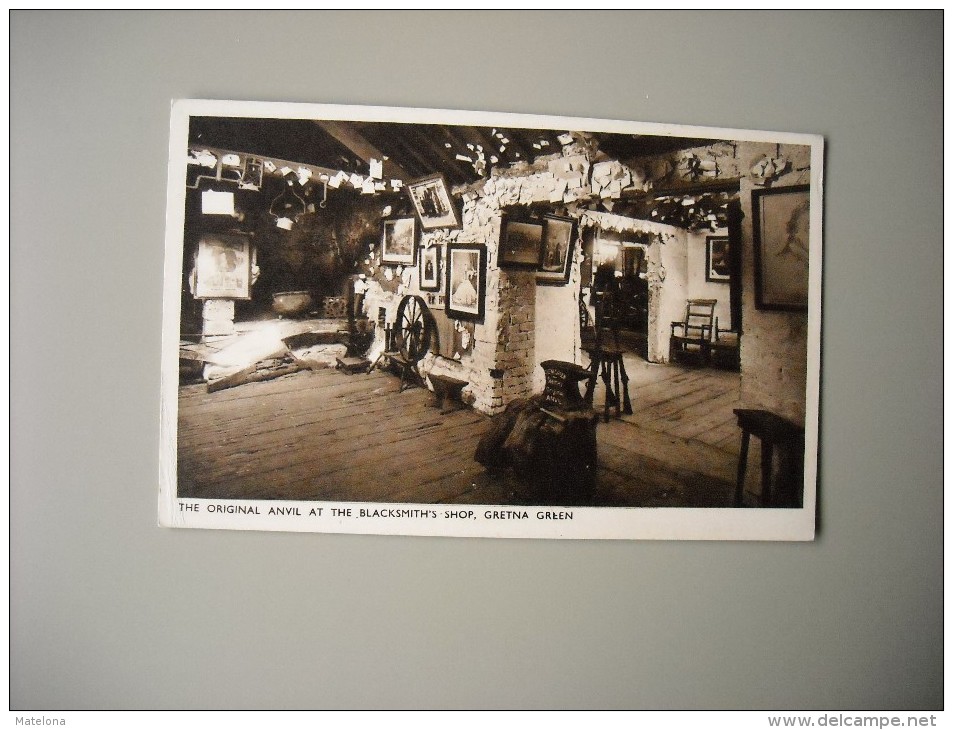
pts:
pixel 520 243
pixel 637 397
pixel 781 254
pixel 717 263
pixel 430 272
pixel 222 268
pixel 466 281
pixel 399 241
pixel 556 256
pixel 432 202
pixel 301 422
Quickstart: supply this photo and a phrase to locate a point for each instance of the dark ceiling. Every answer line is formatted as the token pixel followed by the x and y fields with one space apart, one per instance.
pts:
pixel 411 150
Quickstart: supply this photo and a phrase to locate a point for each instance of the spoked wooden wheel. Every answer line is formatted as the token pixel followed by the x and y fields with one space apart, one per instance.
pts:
pixel 414 328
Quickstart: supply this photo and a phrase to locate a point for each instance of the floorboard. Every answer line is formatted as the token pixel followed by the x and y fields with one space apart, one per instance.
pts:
pixel 324 435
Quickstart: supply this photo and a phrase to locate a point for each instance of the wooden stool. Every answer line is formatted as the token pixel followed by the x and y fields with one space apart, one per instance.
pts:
pixel 351 365
pixel 609 360
pixel 772 430
pixel 447 392
pixel 409 375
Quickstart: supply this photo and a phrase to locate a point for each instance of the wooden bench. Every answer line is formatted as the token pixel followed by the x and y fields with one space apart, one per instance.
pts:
pixel 447 392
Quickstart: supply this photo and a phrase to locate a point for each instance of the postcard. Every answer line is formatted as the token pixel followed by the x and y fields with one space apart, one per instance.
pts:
pixel 612 329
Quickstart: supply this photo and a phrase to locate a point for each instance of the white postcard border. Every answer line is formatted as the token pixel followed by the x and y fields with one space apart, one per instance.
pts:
pixel 610 523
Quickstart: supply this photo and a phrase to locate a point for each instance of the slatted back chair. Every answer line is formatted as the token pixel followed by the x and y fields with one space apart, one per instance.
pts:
pixel 692 340
pixel 587 329
pixel 600 339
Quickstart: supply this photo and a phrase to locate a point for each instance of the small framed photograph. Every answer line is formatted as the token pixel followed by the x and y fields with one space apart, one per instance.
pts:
pixel 432 201
pixel 430 268
pixel 520 243
pixel 223 267
pixel 717 267
pixel 399 241
pixel 555 263
pixel 781 247
pixel 466 281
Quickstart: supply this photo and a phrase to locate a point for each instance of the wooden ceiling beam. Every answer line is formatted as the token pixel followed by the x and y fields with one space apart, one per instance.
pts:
pixel 409 150
pixel 456 170
pixel 276 161
pixel 354 141
pixel 699 187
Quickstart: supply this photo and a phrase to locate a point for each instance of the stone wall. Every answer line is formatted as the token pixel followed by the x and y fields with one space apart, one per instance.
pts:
pixel 774 344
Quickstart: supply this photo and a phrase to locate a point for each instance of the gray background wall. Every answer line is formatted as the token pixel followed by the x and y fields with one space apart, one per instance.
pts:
pixel 109 611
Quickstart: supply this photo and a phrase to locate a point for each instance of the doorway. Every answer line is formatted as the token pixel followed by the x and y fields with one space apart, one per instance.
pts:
pixel 620 267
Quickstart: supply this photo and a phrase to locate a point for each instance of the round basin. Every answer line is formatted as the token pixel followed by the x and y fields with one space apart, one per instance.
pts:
pixel 291 303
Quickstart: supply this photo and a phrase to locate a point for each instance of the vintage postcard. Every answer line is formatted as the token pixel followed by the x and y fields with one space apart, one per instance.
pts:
pixel 428 322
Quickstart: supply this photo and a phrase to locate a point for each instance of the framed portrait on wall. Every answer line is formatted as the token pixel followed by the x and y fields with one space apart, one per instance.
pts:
pixel 466 281
pixel 717 267
pixel 555 262
pixel 781 247
pixel 223 267
pixel 431 198
pixel 430 268
pixel 399 241
pixel 520 243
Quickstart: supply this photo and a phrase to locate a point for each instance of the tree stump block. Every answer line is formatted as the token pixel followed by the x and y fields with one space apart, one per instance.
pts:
pixel 554 452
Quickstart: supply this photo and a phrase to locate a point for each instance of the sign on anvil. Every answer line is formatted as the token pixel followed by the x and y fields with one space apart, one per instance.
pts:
pixel 562 385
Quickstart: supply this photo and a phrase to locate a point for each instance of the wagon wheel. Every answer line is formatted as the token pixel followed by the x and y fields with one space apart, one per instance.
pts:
pixel 414 328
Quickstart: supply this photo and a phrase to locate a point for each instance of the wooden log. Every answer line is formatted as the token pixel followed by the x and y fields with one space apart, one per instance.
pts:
pixel 254 375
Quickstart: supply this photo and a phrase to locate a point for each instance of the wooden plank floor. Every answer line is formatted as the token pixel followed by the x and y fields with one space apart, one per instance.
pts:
pixel 324 435
pixel 693 403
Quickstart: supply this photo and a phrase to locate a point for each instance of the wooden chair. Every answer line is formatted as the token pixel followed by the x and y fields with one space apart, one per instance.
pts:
pixel 694 341
pixel 726 348
pixel 601 343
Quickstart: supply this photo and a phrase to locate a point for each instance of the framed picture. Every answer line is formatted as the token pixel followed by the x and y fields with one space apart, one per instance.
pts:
pixel 559 235
pixel 430 268
pixel 466 281
pixel 223 267
pixel 781 247
pixel 399 241
pixel 717 267
pixel 432 201
pixel 520 243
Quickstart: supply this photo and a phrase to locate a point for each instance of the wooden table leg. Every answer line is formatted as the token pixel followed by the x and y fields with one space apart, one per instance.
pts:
pixel 742 467
pixel 626 403
pixel 618 385
pixel 591 383
pixel 607 381
pixel 767 460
